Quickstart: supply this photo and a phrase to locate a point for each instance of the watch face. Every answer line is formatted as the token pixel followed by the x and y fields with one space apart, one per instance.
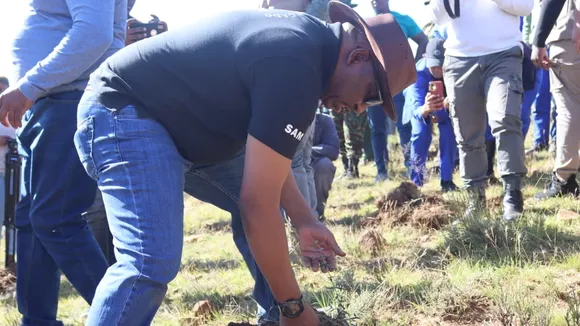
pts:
pixel 292 309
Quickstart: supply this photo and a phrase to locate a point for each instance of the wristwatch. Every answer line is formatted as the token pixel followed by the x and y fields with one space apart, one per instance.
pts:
pixel 291 308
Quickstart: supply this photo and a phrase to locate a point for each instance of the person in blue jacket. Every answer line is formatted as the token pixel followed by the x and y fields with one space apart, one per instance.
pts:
pixel 426 110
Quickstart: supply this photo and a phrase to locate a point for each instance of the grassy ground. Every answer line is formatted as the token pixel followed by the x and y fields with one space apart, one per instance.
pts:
pixel 484 272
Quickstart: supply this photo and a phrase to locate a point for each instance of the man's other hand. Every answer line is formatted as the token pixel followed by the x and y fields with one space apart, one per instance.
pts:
pixel 13 105
pixel 134 34
pixel 318 246
pixel 540 58
pixel 307 318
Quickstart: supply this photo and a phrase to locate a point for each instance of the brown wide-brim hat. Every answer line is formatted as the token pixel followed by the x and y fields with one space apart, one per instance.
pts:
pixel 395 63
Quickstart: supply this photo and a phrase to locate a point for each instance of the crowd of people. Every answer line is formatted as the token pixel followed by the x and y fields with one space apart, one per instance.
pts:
pixel 114 116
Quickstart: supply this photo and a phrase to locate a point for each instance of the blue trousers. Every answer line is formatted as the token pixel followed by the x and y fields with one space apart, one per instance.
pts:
pixel 421 140
pixel 378 123
pixel 52 234
pixel 536 103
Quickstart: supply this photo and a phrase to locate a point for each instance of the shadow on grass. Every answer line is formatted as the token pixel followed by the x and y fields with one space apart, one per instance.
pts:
pixel 221 226
pixel 527 240
pixel 355 206
pixel 67 290
pixel 352 220
pixel 538 179
pixel 209 265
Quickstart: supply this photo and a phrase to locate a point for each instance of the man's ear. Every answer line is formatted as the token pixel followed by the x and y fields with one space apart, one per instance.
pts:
pixel 358 55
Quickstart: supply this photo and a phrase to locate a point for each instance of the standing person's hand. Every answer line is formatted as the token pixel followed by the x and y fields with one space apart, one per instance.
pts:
pixel 134 34
pixel 307 318
pixel 432 103
pixel 13 105
pixel 540 58
pixel 4 140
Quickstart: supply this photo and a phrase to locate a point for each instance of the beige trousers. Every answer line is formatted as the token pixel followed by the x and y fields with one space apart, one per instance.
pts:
pixel 565 88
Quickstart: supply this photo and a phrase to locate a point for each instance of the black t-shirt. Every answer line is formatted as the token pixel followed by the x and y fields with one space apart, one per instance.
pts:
pixel 258 72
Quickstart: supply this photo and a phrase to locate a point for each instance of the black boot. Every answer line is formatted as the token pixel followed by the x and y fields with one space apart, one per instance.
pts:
pixel 490 150
pixel 475 203
pixel 345 165
pixel 448 186
pixel 513 200
pixel 557 188
pixel 352 171
pixel 355 162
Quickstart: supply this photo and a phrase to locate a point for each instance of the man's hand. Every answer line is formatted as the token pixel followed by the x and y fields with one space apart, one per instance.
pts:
pixel 432 103
pixel 307 318
pixel 13 105
pixel 4 140
pixel 540 58
pixel 318 246
pixel 134 34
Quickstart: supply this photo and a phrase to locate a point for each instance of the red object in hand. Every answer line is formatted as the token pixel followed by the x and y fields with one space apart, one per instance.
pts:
pixel 436 88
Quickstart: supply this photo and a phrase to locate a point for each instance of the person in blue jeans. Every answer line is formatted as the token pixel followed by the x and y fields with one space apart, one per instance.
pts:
pixel 540 112
pixel 376 116
pixel 428 110
pixel 60 44
pixel 178 101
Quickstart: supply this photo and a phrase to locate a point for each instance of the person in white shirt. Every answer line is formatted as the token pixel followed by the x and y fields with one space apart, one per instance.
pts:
pixel 6 134
pixel 483 73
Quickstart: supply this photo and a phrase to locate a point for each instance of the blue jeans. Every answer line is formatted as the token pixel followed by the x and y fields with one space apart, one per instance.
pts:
pixel 137 166
pixel 302 168
pixel 220 185
pixel 541 111
pixel 52 235
pixel 378 122
pixel 420 142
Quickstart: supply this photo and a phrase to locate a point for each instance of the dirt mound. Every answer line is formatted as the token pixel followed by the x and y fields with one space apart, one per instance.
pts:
pixel 325 320
pixel 406 192
pixel 406 205
pixel 372 241
pixel 475 311
pixel 7 281
pixel 494 202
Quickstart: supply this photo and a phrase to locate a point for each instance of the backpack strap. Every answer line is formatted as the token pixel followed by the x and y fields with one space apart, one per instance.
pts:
pixel 448 9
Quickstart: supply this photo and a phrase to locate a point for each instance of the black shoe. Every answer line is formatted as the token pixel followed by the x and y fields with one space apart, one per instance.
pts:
pixel 345 166
pixel 513 204
pixel 475 201
pixel 352 172
pixel 448 186
pixel 557 188
pixel 381 177
pixel 355 168
pixel 490 151
pixel 536 148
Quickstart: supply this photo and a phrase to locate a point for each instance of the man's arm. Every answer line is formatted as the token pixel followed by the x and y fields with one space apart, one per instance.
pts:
pixel 329 143
pixel 516 7
pixel 90 36
pixel 421 39
pixel 416 97
pixel 265 173
pixel 548 16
